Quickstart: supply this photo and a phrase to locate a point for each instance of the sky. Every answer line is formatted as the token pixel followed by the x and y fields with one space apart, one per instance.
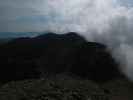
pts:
pixel 106 21
pixel 38 15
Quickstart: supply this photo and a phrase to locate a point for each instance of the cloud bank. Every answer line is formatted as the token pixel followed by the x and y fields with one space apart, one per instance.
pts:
pixel 106 21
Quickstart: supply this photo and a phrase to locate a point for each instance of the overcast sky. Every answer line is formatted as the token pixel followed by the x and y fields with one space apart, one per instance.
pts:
pixel 37 15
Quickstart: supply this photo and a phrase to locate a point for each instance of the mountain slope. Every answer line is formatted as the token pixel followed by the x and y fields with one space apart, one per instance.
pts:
pixel 26 58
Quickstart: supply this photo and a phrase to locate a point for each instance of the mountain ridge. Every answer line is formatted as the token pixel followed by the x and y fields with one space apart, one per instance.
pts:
pixel 53 54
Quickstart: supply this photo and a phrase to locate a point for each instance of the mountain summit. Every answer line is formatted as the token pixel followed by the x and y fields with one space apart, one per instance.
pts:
pixel 25 58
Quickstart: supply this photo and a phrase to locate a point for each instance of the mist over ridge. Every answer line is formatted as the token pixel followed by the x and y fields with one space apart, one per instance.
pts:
pixel 106 21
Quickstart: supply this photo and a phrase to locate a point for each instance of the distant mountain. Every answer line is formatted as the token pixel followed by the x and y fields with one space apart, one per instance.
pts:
pixel 34 57
pixel 18 34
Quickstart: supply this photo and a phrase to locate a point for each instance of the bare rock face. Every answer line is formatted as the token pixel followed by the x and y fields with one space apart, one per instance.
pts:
pixel 66 88
pixel 25 58
pixel 52 89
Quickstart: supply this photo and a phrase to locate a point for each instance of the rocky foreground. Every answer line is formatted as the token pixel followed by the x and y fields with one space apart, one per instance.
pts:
pixel 66 88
